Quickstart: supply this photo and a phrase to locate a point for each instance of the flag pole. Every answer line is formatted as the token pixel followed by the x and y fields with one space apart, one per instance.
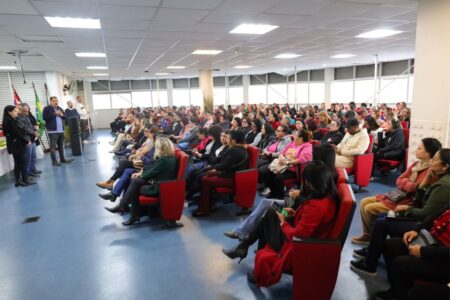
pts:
pixel 11 86
pixel 45 128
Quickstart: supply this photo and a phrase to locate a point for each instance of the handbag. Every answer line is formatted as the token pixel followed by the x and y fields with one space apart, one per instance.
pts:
pixel 276 168
pixel 424 238
pixel 395 195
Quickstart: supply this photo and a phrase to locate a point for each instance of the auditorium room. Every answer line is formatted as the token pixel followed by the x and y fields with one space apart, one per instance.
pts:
pixel 224 149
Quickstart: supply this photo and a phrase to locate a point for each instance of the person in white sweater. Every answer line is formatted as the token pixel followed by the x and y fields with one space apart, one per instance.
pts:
pixel 355 142
pixel 84 116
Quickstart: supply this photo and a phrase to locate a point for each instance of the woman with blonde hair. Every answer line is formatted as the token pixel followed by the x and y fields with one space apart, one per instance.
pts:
pixel 147 182
pixel 324 120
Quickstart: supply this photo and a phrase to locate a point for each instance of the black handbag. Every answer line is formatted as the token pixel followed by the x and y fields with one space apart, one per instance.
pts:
pixel 396 195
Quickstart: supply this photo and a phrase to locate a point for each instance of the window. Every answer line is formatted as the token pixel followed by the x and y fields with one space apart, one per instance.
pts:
pixel 122 100
pixel 393 90
pixel 180 97
pixel 317 92
pixel 302 93
pixel 291 92
pixel 257 94
pixel 364 91
pixel 277 93
pixel 142 99
pixel 101 101
pixel 160 98
pixel 341 91
pixel 219 96
pixel 196 97
pixel 236 95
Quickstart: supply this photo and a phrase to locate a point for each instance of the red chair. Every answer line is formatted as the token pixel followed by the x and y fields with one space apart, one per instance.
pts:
pixel 362 167
pixel 171 194
pixel 404 124
pixel 387 164
pixel 314 142
pixel 315 262
pixel 245 183
pixel 323 131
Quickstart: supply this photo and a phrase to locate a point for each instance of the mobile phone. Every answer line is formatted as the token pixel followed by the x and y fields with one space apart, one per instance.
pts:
pixel 279 209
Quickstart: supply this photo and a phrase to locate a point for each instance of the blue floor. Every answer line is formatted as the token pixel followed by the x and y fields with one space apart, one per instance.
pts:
pixel 78 250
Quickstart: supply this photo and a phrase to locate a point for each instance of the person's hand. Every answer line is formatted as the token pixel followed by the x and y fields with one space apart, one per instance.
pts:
pixel 281 161
pixel 290 211
pixel 36 128
pixel 414 250
pixel 293 194
pixel 400 208
pixel 135 175
pixel 212 172
pixel 409 236
pixel 36 134
pixel 281 217
pixel 29 142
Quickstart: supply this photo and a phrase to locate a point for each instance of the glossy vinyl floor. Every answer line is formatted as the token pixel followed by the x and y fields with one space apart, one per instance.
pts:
pixel 78 250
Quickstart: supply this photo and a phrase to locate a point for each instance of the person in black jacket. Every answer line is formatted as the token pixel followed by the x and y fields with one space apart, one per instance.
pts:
pixel 334 136
pixel 391 145
pixel 407 262
pixel 16 142
pixel 222 173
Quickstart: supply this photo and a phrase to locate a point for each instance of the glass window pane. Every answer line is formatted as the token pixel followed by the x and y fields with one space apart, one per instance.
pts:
pixel 160 98
pixel 364 91
pixel 302 93
pixel 101 101
pixel 122 100
pixel 393 90
pixel 197 97
pixel 411 88
pixel 142 99
pixel 257 94
pixel 291 93
pixel 180 97
pixel 317 92
pixel 341 91
pixel 219 96
pixel 277 93
pixel 236 95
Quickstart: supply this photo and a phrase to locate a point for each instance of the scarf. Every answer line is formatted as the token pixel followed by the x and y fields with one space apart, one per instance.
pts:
pixel 419 167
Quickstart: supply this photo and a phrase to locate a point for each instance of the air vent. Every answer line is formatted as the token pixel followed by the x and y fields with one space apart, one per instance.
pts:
pixel 42 41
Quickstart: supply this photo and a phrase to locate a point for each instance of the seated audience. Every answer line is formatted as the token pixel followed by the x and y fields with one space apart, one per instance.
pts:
pixel 209 142
pixel 355 142
pixel 191 139
pixel 267 136
pixel 334 136
pixel 324 120
pixel 391 144
pixel 253 137
pixel 273 120
pixel 274 149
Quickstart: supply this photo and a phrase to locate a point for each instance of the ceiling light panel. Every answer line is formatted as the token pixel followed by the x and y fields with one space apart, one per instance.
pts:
pixel 287 55
pixel 162 74
pixel 97 68
pixel 253 29
pixel 242 67
pixel 378 33
pixel 343 55
pixel 206 52
pixel 8 68
pixel 176 67
pixel 90 54
pixel 81 23
pixel 101 74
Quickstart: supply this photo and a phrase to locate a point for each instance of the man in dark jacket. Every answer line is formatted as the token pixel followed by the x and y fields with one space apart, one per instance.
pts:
pixel 54 122
pixel 31 129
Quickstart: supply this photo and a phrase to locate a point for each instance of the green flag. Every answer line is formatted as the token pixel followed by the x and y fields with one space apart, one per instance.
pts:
pixel 39 116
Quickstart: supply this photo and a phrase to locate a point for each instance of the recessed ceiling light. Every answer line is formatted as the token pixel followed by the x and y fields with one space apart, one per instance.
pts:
pixel 8 68
pixel 253 29
pixel 324 65
pixel 90 54
pixel 344 55
pixel 242 67
pixel 206 52
pixel 83 23
pixel 176 67
pixel 378 33
pixel 101 74
pixel 162 74
pixel 96 68
pixel 287 55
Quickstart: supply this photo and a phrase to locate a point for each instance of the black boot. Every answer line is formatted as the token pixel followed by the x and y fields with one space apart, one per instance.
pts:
pixel 108 196
pixel 116 209
pixel 240 251
pixel 131 221
pixel 20 183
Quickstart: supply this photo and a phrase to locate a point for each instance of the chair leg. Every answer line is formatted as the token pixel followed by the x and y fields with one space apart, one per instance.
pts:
pixel 243 212
pixel 172 225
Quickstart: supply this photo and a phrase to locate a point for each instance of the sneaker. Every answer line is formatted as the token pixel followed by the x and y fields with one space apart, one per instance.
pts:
pixel 265 192
pixel 56 163
pixel 85 142
pixel 360 253
pixel 363 239
pixel 384 295
pixel 360 267
pixel 66 161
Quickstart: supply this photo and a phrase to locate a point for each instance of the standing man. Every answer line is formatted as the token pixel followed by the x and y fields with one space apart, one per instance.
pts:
pixel 70 112
pixel 32 130
pixel 54 122
pixel 84 118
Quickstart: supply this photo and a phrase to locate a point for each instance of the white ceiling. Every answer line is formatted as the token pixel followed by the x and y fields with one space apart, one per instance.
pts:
pixel 139 35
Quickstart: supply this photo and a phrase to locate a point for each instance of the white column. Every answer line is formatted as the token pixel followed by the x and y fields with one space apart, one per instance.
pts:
pixel 328 79
pixel 206 86
pixel 431 93
pixel 169 86
pixel 245 86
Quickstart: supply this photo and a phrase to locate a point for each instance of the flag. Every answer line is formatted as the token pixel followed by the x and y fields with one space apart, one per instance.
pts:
pixel 16 98
pixel 39 117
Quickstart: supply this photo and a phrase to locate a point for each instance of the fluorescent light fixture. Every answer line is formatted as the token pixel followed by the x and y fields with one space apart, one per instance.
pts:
pixel 242 67
pixel 324 65
pixel 176 67
pixel 206 52
pixel 8 68
pixel 90 54
pixel 287 55
pixel 343 55
pixel 162 74
pixel 83 23
pixel 96 68
pixel 378 33
pixel 101 74
pixel 253 29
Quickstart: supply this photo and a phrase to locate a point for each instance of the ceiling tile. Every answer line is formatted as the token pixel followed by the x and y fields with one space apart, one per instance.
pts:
pixel 125 25
pixel 197 4
pixel 18 7
pixel 344 9
pixel 299 7
pixel 127 12
pixel 247 6
pixel 180 15
pixel 67 9
pixel 382 12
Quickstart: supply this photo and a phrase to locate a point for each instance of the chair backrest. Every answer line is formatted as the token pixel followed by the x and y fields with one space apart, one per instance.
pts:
pixel 369 149
pixel 323 131
pixel 406 135
pixel 404 124
pixel 253 154
pixel 342 176
pixel 182 160
pixel 345 213
pixel 314 142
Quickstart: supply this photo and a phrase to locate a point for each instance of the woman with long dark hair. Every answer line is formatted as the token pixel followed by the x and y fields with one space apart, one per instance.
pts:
pixel 16 142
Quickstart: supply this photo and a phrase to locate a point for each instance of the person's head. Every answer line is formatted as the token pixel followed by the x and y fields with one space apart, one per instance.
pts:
pixel 222 119
pixel 440 164
pixel 25 108
pixel 286 120
pixel 371 124
pixel 349 115
pixel 405 113
pixel 245 122
pixel 79 99
pixel 298 125
pixel 10 111
pixel 267 129
pixel 224 137
pixel 302 136
pixel 69 104
pixel 163 147
pixel 184 121
pixel 401 105
pixel 427 148
pixel 273 117
pixel 335 125
pixel 236 137
pixel 393 124
pixel 202 133
pixel 337 107
pixel 256 125
pixel 54 101
pixel 352 105
pixel 214 132
pixel 318 181
pixel 324 118
pixel 281 131
pixel 193 121
pixel 311 124
pixel 352 126
pixel 236 122
pixel 326 154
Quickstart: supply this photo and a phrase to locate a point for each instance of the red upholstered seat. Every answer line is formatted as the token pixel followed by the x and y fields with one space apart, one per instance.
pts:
pixel 404 124
pixel 388 164
pixel 171 193
pixel 316 262
pixel 323 131
pixel 314 142
pixel 362 167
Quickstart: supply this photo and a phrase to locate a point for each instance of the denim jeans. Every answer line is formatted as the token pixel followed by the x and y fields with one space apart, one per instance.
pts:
pixel 31 158
pixel 124 182
pixel 183 146
pixel 250 223
pixel 195 166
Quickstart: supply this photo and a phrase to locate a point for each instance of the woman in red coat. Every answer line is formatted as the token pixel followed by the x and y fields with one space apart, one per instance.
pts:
pixel 312 215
